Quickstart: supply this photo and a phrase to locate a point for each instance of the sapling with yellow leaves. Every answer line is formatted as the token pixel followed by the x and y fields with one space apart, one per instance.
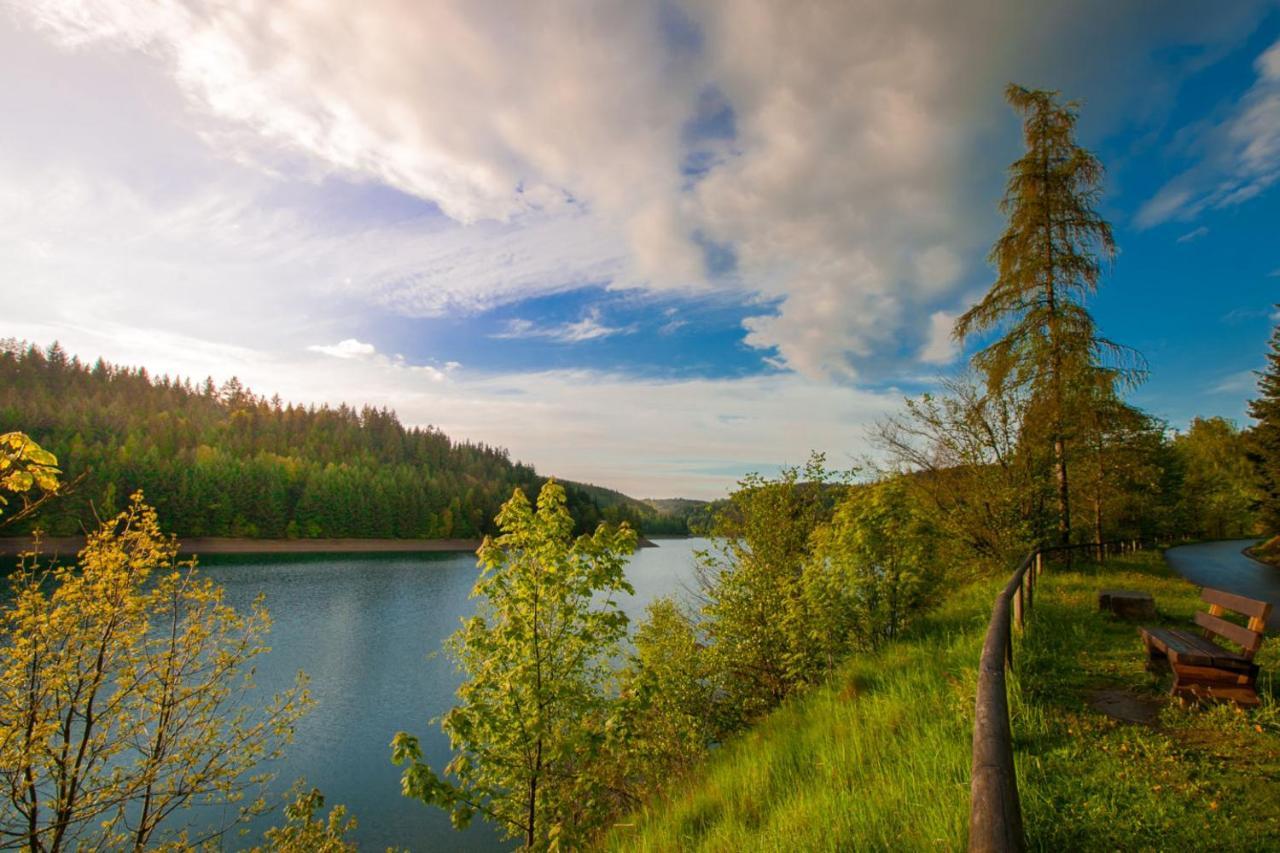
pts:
pixel 126 696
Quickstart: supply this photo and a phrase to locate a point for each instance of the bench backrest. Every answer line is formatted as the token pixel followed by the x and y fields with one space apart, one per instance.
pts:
pixel 1247 638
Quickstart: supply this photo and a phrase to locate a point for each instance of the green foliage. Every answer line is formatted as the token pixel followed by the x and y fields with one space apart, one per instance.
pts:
pixel 1264 439
pixel 961 455
pixel 1218 482
pixel 755 617
pixel 305 832
pixel 534 704
pixel 663 725
pixel 226 462
pixel 872 568
pixel 27 471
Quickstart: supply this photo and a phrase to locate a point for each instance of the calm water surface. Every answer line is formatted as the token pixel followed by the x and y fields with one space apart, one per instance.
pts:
pixel 363 627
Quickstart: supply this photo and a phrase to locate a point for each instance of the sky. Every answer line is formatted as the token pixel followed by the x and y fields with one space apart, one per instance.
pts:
pixel 649 245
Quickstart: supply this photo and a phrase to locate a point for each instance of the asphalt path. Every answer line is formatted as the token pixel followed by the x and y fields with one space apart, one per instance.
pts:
pixel 1223 565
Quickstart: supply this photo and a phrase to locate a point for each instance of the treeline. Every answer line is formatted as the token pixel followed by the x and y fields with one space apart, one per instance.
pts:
pixel 223 461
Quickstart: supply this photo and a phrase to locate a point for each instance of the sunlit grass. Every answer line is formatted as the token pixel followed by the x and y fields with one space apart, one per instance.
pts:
pixel 878 758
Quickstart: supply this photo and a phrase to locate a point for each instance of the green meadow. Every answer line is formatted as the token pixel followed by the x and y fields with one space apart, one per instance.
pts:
pixel 878 757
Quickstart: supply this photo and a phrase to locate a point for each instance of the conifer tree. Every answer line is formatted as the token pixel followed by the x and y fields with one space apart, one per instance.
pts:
pixel 1264 438
pixel 1048 261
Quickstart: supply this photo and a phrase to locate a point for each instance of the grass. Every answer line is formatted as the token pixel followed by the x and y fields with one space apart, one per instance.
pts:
pixel 878 758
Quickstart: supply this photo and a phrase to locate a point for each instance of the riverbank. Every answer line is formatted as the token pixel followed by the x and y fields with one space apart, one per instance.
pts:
pixel 1266 552
pixel 70 545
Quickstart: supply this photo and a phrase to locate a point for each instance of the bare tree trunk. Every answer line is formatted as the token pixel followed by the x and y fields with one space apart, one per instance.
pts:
pixel 1064 494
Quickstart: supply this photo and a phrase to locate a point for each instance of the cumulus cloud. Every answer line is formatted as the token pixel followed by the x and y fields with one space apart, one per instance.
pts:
pixel 940 345
pixel 349 348
pixel 832 195
pixel 830 154
pixel 1241 154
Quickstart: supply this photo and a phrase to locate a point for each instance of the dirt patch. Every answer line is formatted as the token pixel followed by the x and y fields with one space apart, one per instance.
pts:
pixel 1126 707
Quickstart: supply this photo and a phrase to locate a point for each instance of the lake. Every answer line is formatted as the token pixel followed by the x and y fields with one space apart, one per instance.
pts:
pixel 364 627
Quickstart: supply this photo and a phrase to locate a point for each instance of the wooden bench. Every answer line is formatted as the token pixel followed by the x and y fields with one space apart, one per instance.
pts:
pixel 1205 669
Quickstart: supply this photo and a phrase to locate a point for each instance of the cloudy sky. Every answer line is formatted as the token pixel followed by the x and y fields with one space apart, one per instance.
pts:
pixel 651 245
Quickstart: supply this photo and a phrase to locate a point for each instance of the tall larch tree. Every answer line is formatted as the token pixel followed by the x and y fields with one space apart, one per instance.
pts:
pixel 1048 261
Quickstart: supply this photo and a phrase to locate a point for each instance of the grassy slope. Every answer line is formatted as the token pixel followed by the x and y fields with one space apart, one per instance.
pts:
pixel 879 757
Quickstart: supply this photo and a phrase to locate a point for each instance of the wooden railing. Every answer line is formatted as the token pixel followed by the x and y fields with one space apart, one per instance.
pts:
pixel 995 814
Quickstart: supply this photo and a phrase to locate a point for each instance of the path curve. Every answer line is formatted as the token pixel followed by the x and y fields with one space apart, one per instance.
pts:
pixel 1223 565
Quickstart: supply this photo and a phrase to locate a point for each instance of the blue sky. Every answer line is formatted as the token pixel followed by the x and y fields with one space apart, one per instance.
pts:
pixel 649 245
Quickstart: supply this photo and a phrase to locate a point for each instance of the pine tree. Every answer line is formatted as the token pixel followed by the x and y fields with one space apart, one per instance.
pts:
pixel 1048 261
pixel 1264 438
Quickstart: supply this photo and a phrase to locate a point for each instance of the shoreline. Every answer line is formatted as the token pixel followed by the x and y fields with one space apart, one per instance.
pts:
pixel 196 545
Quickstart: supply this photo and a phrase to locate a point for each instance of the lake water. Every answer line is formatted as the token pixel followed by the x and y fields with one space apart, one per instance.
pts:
pixel 363 627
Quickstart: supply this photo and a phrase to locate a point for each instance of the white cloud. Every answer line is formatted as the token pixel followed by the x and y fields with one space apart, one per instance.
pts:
pixel 557 132
pixel 1241 154
pixel 398 365
pixel 349 348
pixel 1194 234
pixel 589 328
pixel 1241 382
pixel 940 345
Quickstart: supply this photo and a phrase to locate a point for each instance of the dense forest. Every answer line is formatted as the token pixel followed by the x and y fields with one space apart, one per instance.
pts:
pixel 223 461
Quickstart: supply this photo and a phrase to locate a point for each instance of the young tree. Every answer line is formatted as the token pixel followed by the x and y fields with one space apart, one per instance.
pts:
pixel 123 686
pixel 1264 438
pixel 534 703
pixel 754 615
pixel 1120 444
pixel 664 722
pixel 873 566
pixel 961 455
pixel 1048 261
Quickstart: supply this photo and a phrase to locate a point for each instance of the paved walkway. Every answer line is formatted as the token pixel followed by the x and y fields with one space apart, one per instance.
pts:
pixel 1221 565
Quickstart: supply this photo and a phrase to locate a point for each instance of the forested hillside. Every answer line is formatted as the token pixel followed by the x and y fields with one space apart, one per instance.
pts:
pixel 222 461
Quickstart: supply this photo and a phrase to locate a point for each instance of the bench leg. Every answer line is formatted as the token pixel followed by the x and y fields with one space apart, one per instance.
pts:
pixel 1156 659
pixel 1204 684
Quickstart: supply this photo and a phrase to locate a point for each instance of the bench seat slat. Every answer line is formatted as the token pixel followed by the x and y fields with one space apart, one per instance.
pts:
pixel 1243 637
pixel 1192 649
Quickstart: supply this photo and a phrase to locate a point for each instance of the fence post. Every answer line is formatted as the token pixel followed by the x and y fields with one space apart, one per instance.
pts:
pixel 1039 563
pixel 1017 606
pixel 1029 579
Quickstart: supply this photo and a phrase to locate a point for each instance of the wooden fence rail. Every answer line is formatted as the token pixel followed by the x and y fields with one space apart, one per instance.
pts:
pixel 995 814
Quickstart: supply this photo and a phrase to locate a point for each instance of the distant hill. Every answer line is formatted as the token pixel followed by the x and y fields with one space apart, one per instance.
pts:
pixel 661 516
pixel 675 506
pixel 223 461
